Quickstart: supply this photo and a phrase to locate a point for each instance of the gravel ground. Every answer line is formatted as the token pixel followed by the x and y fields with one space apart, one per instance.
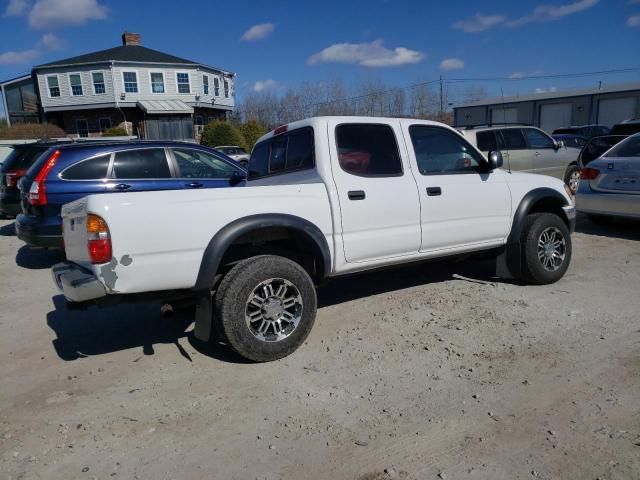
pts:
pixel 409 373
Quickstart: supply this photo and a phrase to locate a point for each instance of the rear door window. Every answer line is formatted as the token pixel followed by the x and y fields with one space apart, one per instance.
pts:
pixel 285 153
pixel 92 169
pixel 368 150
pixel 513 139
pixel 143 163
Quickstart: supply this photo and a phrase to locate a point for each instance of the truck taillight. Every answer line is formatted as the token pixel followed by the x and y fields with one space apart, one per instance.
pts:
pixel 589 173
pixel 98 239
pixel 38 190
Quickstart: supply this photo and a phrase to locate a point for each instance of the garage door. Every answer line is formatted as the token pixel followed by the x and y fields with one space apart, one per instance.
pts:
pixel 554 116
pixel 615 110
pixel 504 115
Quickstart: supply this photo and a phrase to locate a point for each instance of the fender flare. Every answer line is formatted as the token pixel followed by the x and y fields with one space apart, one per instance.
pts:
pixel 509 262
pixel 221 241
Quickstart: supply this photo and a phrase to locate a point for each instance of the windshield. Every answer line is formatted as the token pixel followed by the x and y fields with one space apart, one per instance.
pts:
pixel 629 147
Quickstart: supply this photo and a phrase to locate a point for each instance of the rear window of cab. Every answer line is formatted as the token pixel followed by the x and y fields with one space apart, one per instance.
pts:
pixel 288 152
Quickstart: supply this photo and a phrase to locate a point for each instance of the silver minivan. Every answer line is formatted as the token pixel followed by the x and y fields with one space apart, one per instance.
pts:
pixel 528 149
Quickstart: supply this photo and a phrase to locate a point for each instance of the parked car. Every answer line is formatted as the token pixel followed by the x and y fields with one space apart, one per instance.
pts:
pixel 239 154
pixel 586 131
pixel 570 140
pixel 13 168
pixel 528 149
pixel 325 197
pixel 67 172
pixel 628 127
pixel 610 184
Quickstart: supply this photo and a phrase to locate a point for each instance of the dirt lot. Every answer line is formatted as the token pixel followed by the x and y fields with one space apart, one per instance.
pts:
pixel 409 373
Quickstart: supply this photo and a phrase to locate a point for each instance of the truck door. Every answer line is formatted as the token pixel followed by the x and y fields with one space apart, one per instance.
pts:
pixel 378 197
pixel 464 206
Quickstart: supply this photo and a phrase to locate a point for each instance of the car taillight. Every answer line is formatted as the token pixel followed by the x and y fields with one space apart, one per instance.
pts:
pixel 98 239
pixel 588 173
pixel 12 177
pixel 38 190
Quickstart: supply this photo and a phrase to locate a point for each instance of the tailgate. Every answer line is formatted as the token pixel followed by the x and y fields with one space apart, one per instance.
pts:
pixel 74 228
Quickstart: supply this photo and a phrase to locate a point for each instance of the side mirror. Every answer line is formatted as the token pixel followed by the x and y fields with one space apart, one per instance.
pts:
pixel 236 178
pixel 495 159
pixel 558 144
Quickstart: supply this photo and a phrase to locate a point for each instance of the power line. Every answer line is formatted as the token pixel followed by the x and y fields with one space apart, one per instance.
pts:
pixel 542 77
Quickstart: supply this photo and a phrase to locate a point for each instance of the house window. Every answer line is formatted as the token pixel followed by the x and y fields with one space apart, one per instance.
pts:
pixel 98 82
pixel 130 80
pixel 216 87
pixel 157 82
pixel 183 83
pixel 76 84
pixel 205 84
pixel 105 123
pixel 54 86
pixel 82 127
pixel 226 89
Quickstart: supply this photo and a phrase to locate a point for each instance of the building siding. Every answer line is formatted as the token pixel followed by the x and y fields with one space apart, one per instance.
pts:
pixel 65 98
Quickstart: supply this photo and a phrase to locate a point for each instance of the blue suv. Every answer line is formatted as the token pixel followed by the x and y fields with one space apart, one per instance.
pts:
pixel 67 172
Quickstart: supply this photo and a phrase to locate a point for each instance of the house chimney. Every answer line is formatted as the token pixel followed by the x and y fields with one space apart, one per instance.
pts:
pixel 129 38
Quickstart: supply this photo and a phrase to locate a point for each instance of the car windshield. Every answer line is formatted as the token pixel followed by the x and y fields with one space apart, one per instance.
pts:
pixel 629 147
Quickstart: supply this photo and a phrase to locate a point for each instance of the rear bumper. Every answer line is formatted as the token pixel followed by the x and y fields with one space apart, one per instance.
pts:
pixel 614 204
pixel 10 203
pixel 32 231
pixel 77 284
pixel 570 212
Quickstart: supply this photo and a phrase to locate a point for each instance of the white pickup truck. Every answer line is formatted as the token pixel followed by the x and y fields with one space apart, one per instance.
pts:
pixel 325 196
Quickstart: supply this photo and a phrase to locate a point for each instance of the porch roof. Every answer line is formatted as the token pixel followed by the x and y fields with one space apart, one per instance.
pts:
pixel 164 106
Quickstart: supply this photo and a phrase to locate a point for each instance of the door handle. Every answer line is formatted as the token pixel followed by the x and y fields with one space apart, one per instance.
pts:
pixel 537 154
pixel 356 195
pixel 122 186
pixel 434 191
pixel 194 185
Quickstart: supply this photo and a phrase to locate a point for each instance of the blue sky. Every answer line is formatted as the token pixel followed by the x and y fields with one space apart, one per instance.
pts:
pixel 399 42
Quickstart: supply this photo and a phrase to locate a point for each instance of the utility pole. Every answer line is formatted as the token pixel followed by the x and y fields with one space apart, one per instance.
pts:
pixel 441 100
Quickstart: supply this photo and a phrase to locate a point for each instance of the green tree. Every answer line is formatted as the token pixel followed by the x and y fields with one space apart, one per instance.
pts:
pixel 252 130
pixel 220 132
pixel 115 132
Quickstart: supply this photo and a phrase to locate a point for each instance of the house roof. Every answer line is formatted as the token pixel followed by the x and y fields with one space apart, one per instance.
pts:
pixel 124 54
pixel 552 95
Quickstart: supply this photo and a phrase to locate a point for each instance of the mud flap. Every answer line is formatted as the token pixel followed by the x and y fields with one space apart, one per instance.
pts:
pixel 509 262
pixel 204 316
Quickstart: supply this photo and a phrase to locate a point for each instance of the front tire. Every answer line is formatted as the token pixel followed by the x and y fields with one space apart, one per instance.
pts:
pixel 546 248
pixel 572 178
pixel 266 308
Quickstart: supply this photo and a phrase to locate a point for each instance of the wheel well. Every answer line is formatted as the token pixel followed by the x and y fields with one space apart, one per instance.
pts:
pixel 287 242
pixel 550 205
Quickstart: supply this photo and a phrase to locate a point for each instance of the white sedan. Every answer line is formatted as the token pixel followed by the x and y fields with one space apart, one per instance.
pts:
pixel 239 154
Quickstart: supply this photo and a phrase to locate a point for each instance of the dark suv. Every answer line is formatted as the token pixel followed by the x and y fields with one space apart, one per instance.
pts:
pixel 68 172
pixel 13 168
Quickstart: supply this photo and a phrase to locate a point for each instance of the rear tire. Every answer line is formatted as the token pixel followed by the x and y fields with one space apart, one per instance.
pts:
pixel 572 178
pixel 546 248
pixel 266 307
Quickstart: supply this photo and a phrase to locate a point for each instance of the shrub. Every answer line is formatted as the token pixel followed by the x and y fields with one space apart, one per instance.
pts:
pixel 252 130
pixel 220 132
pixel 115 132
pixel 31 130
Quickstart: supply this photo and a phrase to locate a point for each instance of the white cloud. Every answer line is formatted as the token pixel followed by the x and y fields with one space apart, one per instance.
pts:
pixel 544 90
pixel 542 13
pixel 21 57
pixel 633 21
pixel 264 85
pixel 51 41
pixel 451 64
pixel 258 32
pixel 516 75
pixel 541 90
pixel 548 13
pixel 373 54
pixel 479 23
pixel 17 8
pixel 51 14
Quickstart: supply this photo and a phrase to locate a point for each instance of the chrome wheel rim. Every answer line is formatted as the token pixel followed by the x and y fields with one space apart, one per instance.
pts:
pixel 574 181
pixel 273 310
pixel 552 249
